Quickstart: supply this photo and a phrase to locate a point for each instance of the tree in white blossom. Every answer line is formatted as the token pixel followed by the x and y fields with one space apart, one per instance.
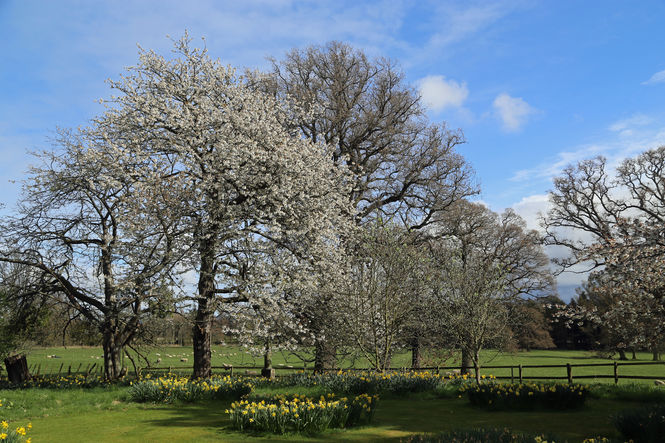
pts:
pixel 246 183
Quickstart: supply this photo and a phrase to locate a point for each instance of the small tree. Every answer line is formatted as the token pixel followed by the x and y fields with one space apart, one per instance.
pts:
pixel 386 274
pixel 483 261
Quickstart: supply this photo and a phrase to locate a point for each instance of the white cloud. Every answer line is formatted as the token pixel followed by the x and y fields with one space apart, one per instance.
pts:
pixel 513 111
pixel 658 77
pixel 439 93
pixel 634 139
pixel 627 125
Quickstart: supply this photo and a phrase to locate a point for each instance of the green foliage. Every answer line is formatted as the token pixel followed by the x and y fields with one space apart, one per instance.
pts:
pixel 629 392
pixel 61 382
pixel 645 424
pixel 360 382
pixel 498 396
pixel 281 414
pixel 481 435
pixel 171 388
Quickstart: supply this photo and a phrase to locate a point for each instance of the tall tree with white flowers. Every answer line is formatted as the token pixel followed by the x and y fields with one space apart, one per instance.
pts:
pixel 247 184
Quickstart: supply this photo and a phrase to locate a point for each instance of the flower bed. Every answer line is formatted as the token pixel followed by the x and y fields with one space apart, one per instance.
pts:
pixel 526 396
pixel 280 414
pixel 172 388
pixel 358 382
pixel 9 434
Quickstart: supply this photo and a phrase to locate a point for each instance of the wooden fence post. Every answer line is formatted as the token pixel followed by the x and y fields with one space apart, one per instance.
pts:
pixel 616 373
pixel 520 371
pixel 569 370
pixel 511 374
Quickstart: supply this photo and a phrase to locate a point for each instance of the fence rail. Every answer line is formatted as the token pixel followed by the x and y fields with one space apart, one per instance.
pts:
pixel 520 376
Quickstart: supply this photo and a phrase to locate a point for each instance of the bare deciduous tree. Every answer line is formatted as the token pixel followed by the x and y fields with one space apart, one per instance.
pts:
pixel 403 167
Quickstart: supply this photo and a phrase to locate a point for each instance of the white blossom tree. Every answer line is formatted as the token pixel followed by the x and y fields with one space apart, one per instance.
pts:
pixel 246 182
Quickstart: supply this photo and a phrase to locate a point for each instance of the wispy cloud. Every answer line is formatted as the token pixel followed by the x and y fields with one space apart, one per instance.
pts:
pixel 439 93
pixel 513 112
pixel 658 77
pixel 636 134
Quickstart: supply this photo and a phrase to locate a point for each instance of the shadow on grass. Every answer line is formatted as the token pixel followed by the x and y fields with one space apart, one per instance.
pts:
pixel 399 417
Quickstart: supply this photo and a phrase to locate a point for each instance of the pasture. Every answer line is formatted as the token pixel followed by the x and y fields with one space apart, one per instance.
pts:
pixel 80 358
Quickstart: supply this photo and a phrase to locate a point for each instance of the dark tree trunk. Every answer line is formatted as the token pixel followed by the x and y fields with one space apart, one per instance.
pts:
pixel 622 355
pixel 112 352
pixel 325 356
pixel 467 361
pixel 17 369
pixel 656 355
pixel 267 371
pixel 634 355
pixel 201 340
pixel 202 330
pixel 416 358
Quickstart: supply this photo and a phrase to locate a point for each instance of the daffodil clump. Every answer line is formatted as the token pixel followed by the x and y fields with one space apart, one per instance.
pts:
pixel 9 434
pixel 172 388
pixel 526 396
pixel 357 382
pixel 280 414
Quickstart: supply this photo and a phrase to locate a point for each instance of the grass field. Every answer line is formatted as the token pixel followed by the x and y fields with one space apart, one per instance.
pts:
pixel 80 358
pixel 104 415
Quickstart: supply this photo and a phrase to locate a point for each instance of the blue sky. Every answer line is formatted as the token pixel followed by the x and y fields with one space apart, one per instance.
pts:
pixel 534 85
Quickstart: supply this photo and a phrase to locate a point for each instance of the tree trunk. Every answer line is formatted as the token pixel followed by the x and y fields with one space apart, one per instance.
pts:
pixel 476 365
pixel 622 355
pixel 17 369
pixel 656 355
pixel 467 361
pixel 267 371
pixel 202 330
pixel 416 358
pixel 112 352
pixel 634 355
pixel 325 356
pixel 201 340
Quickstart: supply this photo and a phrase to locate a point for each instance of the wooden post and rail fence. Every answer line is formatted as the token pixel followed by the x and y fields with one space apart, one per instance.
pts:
pixel 518 373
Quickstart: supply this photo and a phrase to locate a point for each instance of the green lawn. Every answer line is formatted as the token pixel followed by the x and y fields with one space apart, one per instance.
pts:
pixel 80 358
pixel 104 416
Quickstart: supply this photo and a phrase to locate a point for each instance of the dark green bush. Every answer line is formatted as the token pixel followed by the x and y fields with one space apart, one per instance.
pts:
pixel 645 424
pixel 498 396
pixel 481 436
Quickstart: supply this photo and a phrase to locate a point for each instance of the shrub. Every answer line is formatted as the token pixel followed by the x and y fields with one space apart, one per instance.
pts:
pixel 280 414
pixel 645 424
pixel 526 396
pixel 359 382
pixel 629 392
pixel 481 436
pixel 171 388
pixel 62 382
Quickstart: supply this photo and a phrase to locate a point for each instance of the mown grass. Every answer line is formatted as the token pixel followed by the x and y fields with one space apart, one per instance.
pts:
pixel 105 415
